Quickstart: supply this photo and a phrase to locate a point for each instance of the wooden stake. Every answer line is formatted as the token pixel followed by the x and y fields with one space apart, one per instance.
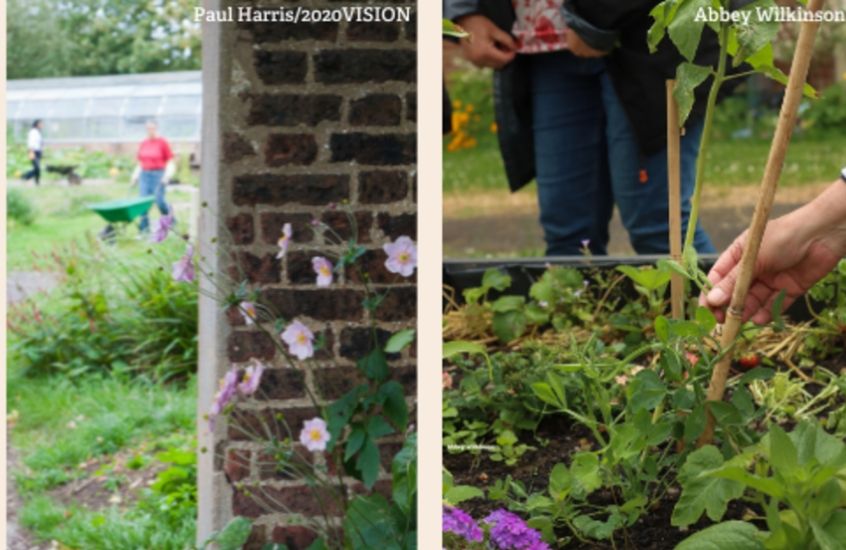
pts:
pixel 674 191
pixel 769 183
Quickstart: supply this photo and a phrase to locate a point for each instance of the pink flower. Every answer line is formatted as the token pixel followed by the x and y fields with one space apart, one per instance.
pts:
pixel 163 226
pixel 252 378
pixel 323 268
pixel 300 340
pixel 248 312
pixel 228 386
pixel 284 241
pixel 183 269
pixel 315 436
pixel 402 256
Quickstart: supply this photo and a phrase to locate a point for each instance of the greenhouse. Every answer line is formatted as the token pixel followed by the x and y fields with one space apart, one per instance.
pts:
pixel 106 110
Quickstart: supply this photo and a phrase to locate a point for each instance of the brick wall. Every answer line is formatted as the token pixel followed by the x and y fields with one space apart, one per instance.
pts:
pixel 311 114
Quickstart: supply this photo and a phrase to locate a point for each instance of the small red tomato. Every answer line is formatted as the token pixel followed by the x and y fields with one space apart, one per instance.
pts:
pixel 643 176
pixel 749 360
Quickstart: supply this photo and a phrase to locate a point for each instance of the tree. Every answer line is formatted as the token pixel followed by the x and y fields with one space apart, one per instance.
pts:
pixel 96 37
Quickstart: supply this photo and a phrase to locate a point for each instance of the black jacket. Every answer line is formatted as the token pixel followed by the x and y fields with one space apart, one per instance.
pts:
pixel 638 76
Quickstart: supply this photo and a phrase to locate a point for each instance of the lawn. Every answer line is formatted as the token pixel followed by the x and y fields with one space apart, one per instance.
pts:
pixel 730 163
pixel 92 461
pixel 61 216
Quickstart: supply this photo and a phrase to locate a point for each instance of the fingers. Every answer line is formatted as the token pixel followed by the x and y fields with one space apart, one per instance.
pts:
pixel 503 39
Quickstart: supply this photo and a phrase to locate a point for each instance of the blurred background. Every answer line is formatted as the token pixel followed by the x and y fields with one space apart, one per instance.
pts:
pixel 482 219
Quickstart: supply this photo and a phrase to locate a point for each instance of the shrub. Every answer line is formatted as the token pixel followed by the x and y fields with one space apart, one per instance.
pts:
pixel 111 313
pixel 827 115
pixel 19 208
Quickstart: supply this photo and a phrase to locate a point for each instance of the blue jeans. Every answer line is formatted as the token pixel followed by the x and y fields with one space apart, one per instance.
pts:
pixel 587 159
pixel 150 183
pixel 570 156
pixel 639 183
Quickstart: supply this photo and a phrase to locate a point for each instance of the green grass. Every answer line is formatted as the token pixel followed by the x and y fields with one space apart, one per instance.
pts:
pixel 730 163
pixel 62 423
pixel 61 218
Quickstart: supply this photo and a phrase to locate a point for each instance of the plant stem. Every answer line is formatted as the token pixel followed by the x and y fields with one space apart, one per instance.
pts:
pixel 705 140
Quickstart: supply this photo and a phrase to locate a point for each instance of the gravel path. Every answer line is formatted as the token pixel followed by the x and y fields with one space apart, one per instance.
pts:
pixel 20 285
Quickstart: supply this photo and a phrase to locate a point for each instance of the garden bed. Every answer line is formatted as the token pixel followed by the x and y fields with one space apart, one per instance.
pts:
pixel 514 330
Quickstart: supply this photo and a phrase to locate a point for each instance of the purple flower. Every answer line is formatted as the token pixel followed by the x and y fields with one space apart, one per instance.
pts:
pixel 183 269
pixel 163 226
pixel 284 241
pixel 323 268
pixel 252 378
pixel 459 522
pixel 314 435
pixel 585 243
pixel 228 387
pixel 402 256
pixel 300 340
pixel 509 532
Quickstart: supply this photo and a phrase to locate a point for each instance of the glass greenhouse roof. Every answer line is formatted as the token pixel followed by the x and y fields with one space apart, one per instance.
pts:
pixel 107 108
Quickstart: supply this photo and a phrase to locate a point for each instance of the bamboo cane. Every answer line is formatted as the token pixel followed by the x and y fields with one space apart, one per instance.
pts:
pixel 769 183
pixel 674 192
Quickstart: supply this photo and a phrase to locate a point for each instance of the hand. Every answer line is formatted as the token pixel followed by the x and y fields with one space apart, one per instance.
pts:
pixel 487 45
pixel 579 47
pixel 31 154
pixel 797 250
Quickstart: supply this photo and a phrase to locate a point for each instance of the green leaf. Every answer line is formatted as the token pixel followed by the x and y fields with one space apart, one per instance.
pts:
pixel 688 78
pixel 354 442
pixel 400 340
pixel 662 328
pixel 725 413
pixel 368 463
pixel 730 535
pixel 596 529
pixel 777 309
pixel 451 29
pixel 646 391
pixel 649 278
pixel 234 535
pixel 340 412
pixel 694 424
pixel 457 347
pixel 509 326
pixel 585 472
pixel 560 482
pixel 758 34
pixel 544 392
pixel 508 303
pixel 685 30
pixel 758 373
pixel 536 315
pixel 374 365
pixel 496 279
pixel 394 406
pixel 701 493
pixel 370 524
pixel 784 456
pixel 459 493
pixel 706 320
pixel 377 427
pixel 404 476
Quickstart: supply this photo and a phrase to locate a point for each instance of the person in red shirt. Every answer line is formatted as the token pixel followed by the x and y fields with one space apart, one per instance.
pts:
pixel 155 169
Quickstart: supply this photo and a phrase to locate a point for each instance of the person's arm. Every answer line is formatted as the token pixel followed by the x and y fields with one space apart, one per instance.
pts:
pixel 487 45
pixel 136 175
pixel 798 250
pixel 169 171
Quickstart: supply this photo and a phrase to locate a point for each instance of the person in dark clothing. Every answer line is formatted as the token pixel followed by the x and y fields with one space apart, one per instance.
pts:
pixel 35 148
pixel 629 132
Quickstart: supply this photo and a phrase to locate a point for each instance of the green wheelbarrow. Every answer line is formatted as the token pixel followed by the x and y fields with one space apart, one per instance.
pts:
pixel 120 212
